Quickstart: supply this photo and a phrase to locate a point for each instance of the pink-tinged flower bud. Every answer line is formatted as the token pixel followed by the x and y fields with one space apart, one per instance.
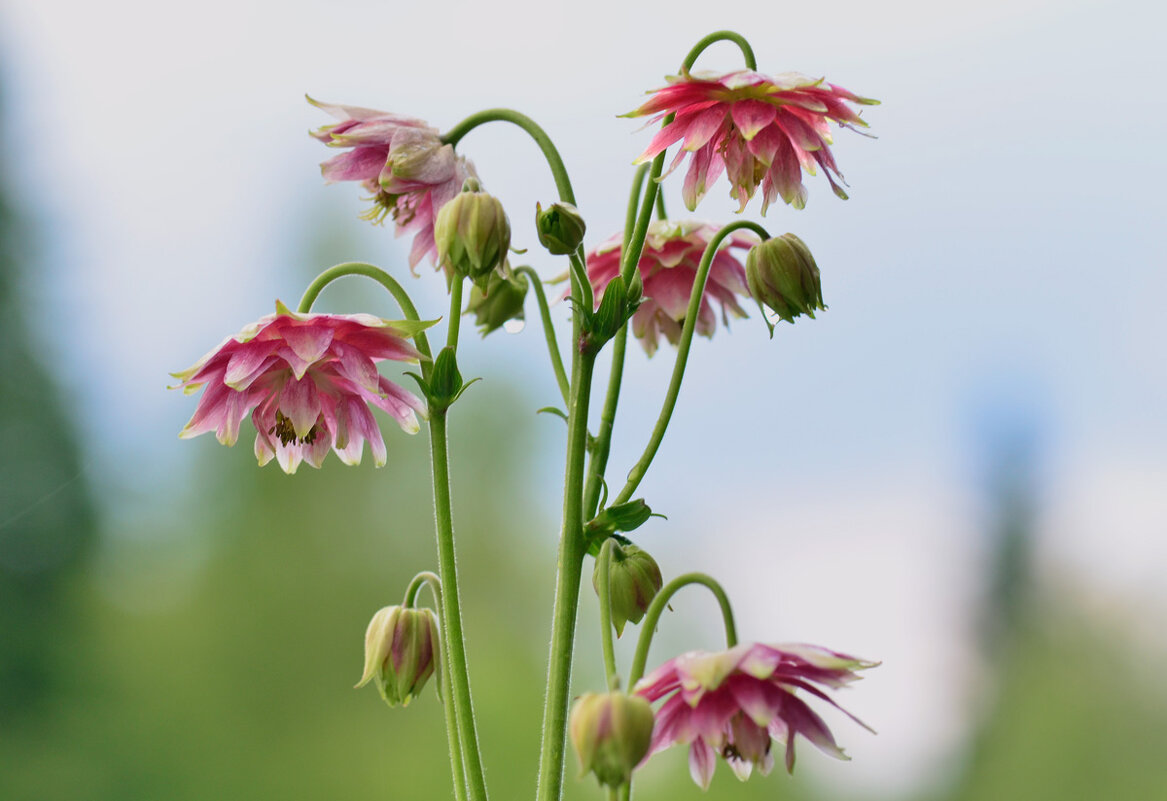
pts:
pixel 560 228
pixel 781 274
pixel 401 652
pixel 611 733
pixel 634 580
pixel 472 234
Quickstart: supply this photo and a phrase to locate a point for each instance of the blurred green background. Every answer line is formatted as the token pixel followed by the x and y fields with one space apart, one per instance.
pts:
pixel 959 469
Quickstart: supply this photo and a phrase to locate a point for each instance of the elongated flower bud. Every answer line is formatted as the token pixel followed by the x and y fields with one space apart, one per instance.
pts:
pixel 472 234
pixel 611 733
pixel 634 580
pixel 781 274
pixel 401 652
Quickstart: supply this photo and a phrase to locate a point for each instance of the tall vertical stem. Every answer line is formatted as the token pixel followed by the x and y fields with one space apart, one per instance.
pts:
pixel 455 644
pixel 572 548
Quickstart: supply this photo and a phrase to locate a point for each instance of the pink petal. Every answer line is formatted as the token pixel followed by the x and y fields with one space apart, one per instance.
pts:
pixel 751 116
pixel 300 403
pixel 701 763
pixel 361 164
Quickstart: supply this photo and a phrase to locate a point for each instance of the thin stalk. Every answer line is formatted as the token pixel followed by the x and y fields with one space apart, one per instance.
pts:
pixel 455 311
pixel 719 36
pixel 603 443
pixel 652 617
pixel 661 213
pixel 583 292
pixel 548 329
pixel 381 277
pixel 604 588
pixel 572 548
pixel 457 769
pixel 658 432
pixel 452 609
pixel 554 161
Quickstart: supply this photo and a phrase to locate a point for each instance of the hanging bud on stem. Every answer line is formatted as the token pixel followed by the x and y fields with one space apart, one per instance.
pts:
pixel 472 234
pixel 500 302
pixel 401 652
pixel 611 733
pixel 634 579
pixel 781 274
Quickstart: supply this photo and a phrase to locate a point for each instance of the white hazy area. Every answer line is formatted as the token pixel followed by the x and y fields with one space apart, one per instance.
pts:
pixel 997 273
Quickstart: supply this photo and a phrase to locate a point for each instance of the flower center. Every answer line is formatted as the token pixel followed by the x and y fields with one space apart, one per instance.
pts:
pixel 286 432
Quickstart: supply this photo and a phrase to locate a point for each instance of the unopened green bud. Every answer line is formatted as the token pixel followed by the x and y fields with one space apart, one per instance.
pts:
pixel 634 579
pixel 621 517
pixel 445 384
pixel 401 652
pixel 500 302
pixel 611 733
pixel 472 234
pixel 781 274
pixel 560 228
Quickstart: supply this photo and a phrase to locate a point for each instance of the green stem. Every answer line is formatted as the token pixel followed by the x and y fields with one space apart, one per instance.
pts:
pixel 380 276
pixel 572 548
pixel 421 580
pixel 562 182
pixel 452 610
pixel 548 329
pixel 652 617
pixel 718 36
pixel 599 461
pixel 457 769
pixel 661 213
pixel 634 244
pixel 641 467
pixel 604 588
pixel 455 311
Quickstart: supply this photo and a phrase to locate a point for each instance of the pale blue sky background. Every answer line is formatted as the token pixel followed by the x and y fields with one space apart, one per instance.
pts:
pixel 998 266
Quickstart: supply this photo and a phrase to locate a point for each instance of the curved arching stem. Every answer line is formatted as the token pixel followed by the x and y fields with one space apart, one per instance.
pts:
pixel 554 161
pixel 381 277
pixel 658 432
pixel 652 617
pixel 720 36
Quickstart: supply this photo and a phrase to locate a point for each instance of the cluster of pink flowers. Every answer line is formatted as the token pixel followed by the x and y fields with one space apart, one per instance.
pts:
pixel 307 381
pixel 402 162
pixel 668 267
pixel 756 128
pixel 733 703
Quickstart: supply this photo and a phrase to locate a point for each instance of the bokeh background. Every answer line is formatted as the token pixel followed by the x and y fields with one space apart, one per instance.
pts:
pixel 960 469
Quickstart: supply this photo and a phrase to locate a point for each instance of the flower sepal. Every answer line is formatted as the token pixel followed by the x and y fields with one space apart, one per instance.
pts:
pixel 445 384
pixel 499 303
pixel 617 305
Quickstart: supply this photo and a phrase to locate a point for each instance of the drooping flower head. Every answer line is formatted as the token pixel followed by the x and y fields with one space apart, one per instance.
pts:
pixel 402 162
pixel 734 702
pixel 307 380
pixel 668 267
pixel 757 128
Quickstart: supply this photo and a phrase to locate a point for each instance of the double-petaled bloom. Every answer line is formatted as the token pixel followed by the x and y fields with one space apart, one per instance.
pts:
pixel 668 268
pixel 307 380
pixel 402 162
pixel 760 130
pixel 734 702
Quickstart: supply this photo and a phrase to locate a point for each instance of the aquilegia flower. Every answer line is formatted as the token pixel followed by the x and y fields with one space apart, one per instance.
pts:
pixel 668 267
pixel 733 702
pixel 402 162
pixel 759 129
pixel 307 380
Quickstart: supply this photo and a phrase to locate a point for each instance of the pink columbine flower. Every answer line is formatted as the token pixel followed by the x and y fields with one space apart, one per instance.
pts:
pixel 757 128
pixel 402 162
pixel 668 267
pixel 307 380
pixel 733 702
